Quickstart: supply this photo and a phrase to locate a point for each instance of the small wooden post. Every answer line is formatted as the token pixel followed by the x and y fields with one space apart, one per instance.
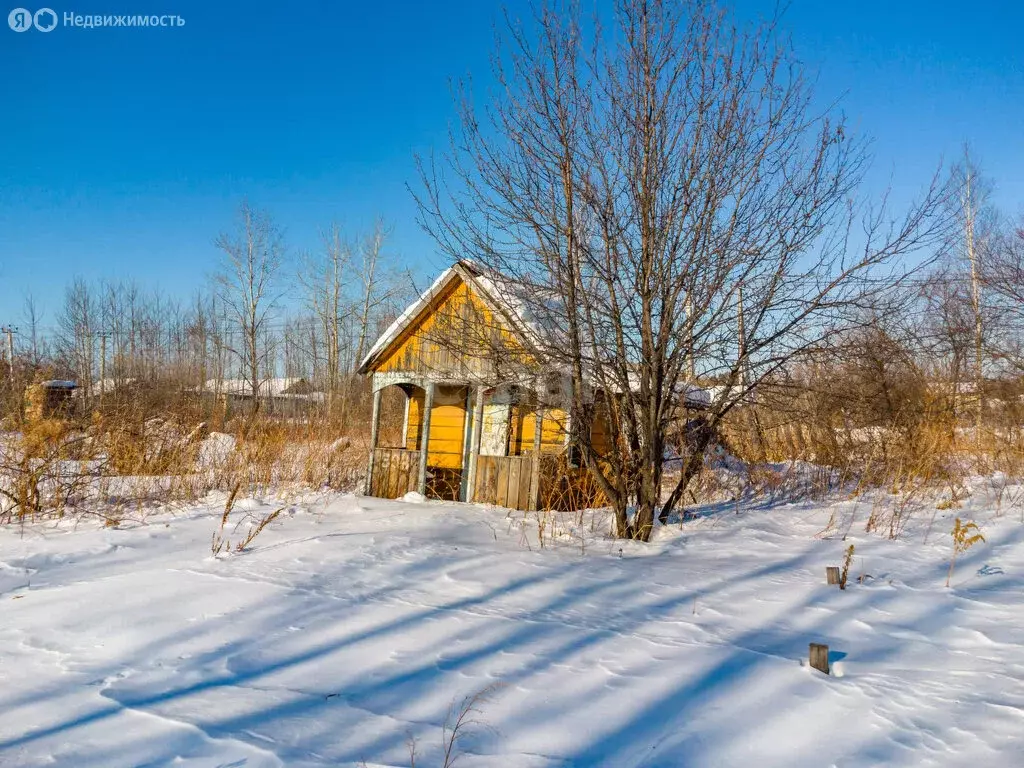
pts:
pixel 428 406
pixel 832 575
pixel 819 657
pixel 538 431
pixel 374 431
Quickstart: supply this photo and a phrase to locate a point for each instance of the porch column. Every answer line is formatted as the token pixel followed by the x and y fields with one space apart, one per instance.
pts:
pixel 477 425
pixel 374 431
pixel 538 430
pixel 405 418
pixel 428 406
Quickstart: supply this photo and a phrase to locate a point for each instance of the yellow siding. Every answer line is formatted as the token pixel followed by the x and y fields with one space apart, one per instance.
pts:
pixel 447 426
pixel 455 334
pixel 552 433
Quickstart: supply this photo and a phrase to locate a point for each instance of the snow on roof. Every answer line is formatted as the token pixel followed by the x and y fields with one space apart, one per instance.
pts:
pixel 508 296
pixel 109 385
pixel 513 297
pixel 503 293
pixel 276 387
pixel 694 396
pixel 407 317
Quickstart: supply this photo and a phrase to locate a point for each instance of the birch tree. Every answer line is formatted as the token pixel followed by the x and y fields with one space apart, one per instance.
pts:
pixel 324 279
pixel 248 290
pixel 77 322
pixel 31 313
pixel 378 285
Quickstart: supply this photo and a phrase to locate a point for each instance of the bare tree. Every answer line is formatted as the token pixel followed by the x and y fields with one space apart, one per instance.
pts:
pixel 947 327
pixel 324 279
pixel 1003 278
pixel 77 322
pixel 31 313
pixel 630 184
pixel 378 285
pixel 247 289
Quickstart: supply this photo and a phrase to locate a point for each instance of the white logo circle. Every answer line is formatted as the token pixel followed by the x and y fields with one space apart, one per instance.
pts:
pixel 20 20
pixel 45 20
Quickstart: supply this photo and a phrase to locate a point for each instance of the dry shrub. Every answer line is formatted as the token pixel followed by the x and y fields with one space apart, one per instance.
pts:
pixel 219 543
pixel 867 426
pixel 847 561
pixel 48 437
pixel 274 453
pixel 444 483
pixel 462 720
pixel 914 436
pixel 137 446
pixel 566 488
pixel 42 473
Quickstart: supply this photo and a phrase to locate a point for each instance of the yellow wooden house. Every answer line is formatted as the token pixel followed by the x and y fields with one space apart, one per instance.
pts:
pixel 483 420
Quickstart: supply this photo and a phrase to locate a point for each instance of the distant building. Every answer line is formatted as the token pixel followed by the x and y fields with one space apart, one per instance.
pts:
pixel 49 399
pixel 279 396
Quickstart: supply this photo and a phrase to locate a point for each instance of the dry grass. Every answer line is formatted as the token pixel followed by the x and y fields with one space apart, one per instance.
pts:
pixel 222 544
pixel 122 461
pixel 44 471
pixel 911 456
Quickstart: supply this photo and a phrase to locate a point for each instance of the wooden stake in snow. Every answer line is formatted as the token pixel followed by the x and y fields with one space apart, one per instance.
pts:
pixel 832 575
pixel 819 657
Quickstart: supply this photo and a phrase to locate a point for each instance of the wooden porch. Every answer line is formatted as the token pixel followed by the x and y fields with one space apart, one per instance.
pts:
pixel 440 456
pixel 500 480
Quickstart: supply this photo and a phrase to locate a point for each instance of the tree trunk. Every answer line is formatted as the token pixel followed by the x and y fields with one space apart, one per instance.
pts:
pixel 697 444
pixel 622 529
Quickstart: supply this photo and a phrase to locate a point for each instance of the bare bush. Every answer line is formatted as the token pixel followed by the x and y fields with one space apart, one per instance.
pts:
pixel 44 472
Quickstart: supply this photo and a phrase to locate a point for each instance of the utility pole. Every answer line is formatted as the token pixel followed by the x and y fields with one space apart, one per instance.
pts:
pixel 10 331
pixel 969 207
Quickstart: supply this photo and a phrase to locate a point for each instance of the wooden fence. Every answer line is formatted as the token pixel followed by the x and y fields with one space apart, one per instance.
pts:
pixel 395 471
pixel 503 481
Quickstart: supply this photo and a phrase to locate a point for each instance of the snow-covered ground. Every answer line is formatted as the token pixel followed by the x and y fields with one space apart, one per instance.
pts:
pixel 353 624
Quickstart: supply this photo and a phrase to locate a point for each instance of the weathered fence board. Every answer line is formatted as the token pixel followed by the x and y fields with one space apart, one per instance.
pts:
pixel 394 472
pixel 503 481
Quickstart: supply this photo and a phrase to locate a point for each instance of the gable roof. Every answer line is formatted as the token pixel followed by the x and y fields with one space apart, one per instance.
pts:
pixel 509 300
pixel 496 291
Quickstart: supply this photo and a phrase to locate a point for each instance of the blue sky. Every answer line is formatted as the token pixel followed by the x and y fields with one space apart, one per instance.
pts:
pixel 124 152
